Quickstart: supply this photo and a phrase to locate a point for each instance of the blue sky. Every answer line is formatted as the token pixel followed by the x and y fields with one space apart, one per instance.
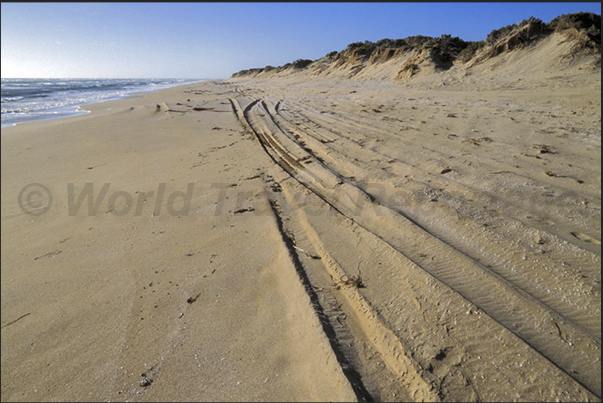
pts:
pixel 214 40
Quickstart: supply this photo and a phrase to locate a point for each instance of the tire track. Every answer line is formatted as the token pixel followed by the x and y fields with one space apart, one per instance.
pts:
pixel 517 207
pixel 431 320
pixel 511 265
pixel 327 327
pixel 382 339
pixel 520 313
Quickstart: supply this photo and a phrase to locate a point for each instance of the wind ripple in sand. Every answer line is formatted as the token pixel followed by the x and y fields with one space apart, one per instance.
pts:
pixel 512 303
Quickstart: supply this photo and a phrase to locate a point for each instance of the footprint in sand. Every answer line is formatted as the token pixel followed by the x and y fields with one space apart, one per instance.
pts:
pixel 585 238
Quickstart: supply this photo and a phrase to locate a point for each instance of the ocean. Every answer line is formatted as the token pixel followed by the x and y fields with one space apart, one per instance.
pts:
pixel 27 99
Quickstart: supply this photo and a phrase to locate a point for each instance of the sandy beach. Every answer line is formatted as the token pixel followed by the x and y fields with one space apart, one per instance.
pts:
pixel 312 237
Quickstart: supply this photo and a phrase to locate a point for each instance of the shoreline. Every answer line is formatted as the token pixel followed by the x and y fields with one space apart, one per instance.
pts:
pixel 78 106
pixel 306 239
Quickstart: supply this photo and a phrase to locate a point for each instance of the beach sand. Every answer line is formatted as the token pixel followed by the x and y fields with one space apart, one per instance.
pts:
pixel 316 239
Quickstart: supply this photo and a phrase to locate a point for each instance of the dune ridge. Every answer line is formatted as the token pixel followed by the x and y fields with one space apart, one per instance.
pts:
pixel 401 60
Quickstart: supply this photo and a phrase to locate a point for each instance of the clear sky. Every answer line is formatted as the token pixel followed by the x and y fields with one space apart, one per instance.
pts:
pixel 214 40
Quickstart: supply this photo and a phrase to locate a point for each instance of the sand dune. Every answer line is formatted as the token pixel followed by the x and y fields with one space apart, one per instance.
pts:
pixel 347 238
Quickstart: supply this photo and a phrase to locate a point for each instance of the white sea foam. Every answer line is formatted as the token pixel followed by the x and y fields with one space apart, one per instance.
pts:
pixel 35 99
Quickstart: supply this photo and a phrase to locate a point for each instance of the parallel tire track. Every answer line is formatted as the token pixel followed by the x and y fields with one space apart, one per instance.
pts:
pixel 555 337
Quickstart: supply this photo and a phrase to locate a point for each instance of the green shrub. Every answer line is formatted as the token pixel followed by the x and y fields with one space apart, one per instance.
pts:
pixel 301 63
pixel 390 43
pixel 419 41
pixel 354 45
pixel 466 54
pixel 497 34
pixel 532 20
pixel 365 48
pixel 577 20
pixel 589 23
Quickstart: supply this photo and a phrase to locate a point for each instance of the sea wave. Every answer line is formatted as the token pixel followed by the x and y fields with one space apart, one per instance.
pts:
pixel 33 99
